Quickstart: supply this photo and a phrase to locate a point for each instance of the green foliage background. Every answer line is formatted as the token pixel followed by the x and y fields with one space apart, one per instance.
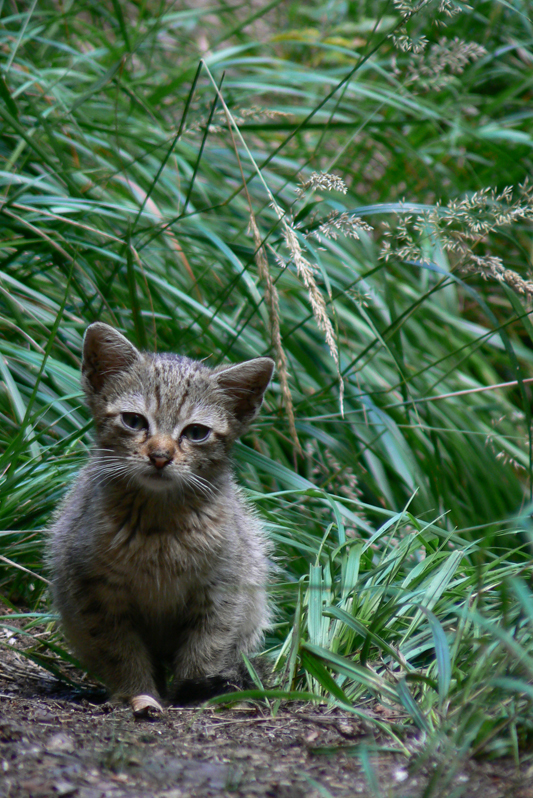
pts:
pixel 129 131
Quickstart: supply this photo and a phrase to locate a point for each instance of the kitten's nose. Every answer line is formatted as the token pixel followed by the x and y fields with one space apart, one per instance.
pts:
pixel 160 459
pixel 161 450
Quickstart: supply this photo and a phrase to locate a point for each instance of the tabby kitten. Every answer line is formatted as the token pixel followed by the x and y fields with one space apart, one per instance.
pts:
pixel 157 564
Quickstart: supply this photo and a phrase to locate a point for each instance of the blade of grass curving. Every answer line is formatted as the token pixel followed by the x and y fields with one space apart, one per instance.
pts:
pixel 5 94
pixel 363 676
pixel 295 639
pixel 18 42
pixel 364 632
pixel 411 706
pixel 524 596
pixel 522 655
pixel 122 25
pixel 370 773
pixel 258 695
pixel 106 78
pixel 61 653
pixel 19 407
pixel 514 686
pixel 314 605
pixel 350 569
pixel 138 320
pixel 442 653
pixel 435 587
pixel 317 786
pixel 13 450
pixel 317 670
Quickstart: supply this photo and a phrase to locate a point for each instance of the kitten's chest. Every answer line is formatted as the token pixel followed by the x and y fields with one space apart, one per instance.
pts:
pixel 165 569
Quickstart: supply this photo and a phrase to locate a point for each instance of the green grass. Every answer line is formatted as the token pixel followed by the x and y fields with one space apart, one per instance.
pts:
pixel 401 530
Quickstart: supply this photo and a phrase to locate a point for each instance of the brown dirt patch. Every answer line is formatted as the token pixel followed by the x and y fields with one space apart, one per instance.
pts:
pixel 55 743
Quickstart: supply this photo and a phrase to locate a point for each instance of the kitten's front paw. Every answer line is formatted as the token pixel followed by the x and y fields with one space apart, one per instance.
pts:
pixel 145 706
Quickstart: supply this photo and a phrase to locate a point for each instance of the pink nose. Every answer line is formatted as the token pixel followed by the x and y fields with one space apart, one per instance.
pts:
pixel 160 460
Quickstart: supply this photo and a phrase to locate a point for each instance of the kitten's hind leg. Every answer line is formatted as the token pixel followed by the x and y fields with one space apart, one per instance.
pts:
pixel 207 665
pixel 189 691
pixel 208 661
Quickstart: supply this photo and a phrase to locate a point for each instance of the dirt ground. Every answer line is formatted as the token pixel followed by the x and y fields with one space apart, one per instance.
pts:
pixel 54 742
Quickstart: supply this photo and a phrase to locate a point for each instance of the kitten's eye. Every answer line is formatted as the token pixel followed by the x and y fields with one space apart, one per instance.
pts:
pixel 196 432
pixel 134 421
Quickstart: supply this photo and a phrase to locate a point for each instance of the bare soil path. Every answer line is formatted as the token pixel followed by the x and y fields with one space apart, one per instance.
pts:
pixel 55 743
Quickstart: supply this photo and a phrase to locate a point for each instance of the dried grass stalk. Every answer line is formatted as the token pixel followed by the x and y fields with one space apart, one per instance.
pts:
pixel 318 304
pixel 303 267
pixel 272 300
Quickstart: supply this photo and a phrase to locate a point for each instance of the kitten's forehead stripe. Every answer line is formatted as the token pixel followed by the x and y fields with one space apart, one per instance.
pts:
pixel 157 395
pixel 184 395
pixel 177 375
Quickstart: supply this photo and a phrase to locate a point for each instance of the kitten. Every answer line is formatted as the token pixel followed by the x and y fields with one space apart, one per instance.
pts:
pixel 157 564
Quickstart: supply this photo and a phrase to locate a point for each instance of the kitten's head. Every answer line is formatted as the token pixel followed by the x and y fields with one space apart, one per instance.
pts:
pixel 164 421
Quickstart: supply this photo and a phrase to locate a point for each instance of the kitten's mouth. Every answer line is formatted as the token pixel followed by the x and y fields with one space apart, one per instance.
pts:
pixel 154 477
pixel 159 473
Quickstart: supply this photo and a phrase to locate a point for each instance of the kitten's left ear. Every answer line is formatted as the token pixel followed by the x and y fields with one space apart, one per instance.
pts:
pixel 245 385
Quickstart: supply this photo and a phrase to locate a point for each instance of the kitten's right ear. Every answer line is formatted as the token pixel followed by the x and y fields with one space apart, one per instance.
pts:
pixel 105 353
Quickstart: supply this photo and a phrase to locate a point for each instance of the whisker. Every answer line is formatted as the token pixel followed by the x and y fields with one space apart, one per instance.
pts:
pixel 108 466
pixel 202 484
